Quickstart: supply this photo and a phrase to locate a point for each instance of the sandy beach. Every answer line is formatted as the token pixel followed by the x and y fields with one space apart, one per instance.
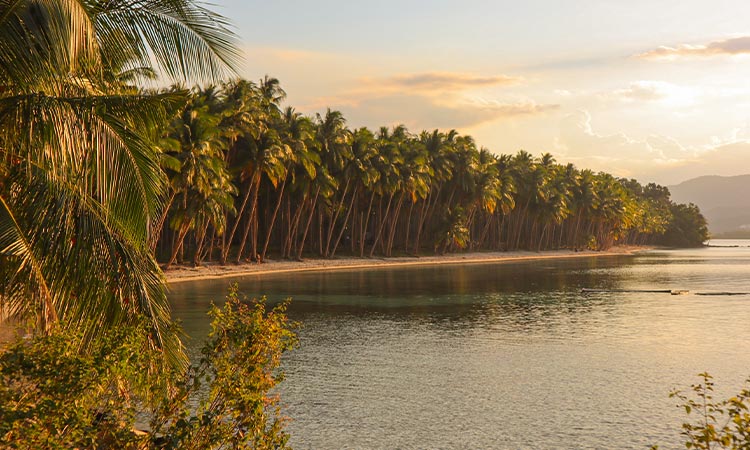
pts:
pixel 208 271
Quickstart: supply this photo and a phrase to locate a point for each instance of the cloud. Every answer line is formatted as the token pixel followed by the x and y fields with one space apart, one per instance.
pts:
pixel 423 112
pixel 653 91
pixel 617 153
pixel 655 158
pixel 435 83
pixel 733 46
pixel 727 157
pixel 641 90
pixel 428 100
pixel 520 108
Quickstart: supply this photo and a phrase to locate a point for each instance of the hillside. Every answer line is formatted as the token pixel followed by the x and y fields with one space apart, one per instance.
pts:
pixel 724 201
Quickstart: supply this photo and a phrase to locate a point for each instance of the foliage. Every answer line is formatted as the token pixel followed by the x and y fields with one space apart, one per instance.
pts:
pixel 688 227
pixel 454 234
pixel 80 181
pixel 308 184
pixel 54 396
pixel 719 423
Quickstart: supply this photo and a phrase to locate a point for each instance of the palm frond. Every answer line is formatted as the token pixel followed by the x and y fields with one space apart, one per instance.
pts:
pixel 179 38
pixel 42 43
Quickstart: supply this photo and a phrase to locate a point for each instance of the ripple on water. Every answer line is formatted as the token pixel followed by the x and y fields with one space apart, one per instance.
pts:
pixel 504 355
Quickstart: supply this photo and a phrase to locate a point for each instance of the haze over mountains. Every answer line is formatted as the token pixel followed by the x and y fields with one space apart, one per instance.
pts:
pixel 724 201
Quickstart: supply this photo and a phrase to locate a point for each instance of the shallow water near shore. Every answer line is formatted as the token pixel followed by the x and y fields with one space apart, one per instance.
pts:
pixel 502 355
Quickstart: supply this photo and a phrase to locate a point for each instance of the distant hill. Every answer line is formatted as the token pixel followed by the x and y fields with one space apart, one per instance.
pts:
pixel 724 201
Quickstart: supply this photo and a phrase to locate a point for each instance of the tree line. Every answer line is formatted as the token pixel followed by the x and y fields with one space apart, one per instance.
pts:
pixel 249 178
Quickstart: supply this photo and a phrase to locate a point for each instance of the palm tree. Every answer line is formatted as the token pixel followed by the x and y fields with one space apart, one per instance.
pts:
pixel 269 157
pixel 334 140
pixel 80 181
pixel 363 174
pixel 417 175
pixel 438 147
pixel 202 184
pixel 258 151
pixel 487 193
pixel 584 203
pixel 244 122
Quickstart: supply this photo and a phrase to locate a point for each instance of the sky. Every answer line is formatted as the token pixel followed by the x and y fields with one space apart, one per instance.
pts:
pixel 654 90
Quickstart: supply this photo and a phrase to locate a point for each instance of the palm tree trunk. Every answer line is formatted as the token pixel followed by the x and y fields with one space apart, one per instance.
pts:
pixel 293 242
pixel 346 220
pixel 545 230
pixel 180 239
pixel 426 211
pixel 334 218
pixel 225 251
pixel 355 227
pixel 156 232
pixel 485 231
pixel 382 225
pixel 212 246
pixel 363 234
pixel 251 217
pixel 320 232
pixel 408 227
pixel 394 222
pixel 420 223
pixel 199 244
pixel 307 227
pixel 273 220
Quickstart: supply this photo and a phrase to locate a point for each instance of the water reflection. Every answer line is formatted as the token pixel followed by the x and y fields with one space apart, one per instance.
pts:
pixel 501 355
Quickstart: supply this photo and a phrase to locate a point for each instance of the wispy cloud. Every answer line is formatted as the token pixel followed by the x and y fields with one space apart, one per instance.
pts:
pixel 511 109
pixel 426 112
pixel 436 83
pixel 578 140
pixel 430 100
pixel 733 46
pixel 661 158
pixel 641 91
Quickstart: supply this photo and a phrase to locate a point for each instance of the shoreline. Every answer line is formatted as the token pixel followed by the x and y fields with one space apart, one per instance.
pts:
pixel 213 271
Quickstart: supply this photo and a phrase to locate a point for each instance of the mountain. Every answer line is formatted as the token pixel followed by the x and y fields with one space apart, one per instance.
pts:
pixel 724 201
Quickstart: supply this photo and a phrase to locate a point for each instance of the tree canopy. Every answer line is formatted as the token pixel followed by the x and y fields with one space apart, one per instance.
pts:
pixel 257 179
pixel 80 175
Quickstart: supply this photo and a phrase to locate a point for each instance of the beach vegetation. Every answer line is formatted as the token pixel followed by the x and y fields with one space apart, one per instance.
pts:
pixel 714 424
pixel 52 395
pixel 293 185
pixel 81 178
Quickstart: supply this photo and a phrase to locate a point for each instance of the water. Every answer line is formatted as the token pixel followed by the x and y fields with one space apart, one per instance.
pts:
pixel 505 355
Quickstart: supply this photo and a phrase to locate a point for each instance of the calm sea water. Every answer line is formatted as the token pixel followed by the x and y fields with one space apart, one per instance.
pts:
pixel 508 355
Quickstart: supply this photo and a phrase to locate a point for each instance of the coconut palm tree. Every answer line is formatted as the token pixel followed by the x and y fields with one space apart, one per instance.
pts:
pixel 363 175
pixel 80 180
pixel 267 156
pixel 202 185
pixel 438 147
pixel 389 181
pixel 417 174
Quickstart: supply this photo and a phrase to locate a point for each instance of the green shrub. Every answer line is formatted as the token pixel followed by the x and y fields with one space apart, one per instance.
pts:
pixel 54 394
pixel 718 424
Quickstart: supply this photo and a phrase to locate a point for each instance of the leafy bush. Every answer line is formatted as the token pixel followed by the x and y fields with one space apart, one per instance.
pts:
pixel 53 395
pixel 719 424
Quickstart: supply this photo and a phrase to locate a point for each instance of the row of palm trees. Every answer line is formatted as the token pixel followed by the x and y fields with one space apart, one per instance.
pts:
pixel 93 184
pixel 249 178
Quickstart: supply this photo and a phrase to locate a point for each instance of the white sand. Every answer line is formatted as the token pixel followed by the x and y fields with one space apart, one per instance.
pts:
pixel 212 270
